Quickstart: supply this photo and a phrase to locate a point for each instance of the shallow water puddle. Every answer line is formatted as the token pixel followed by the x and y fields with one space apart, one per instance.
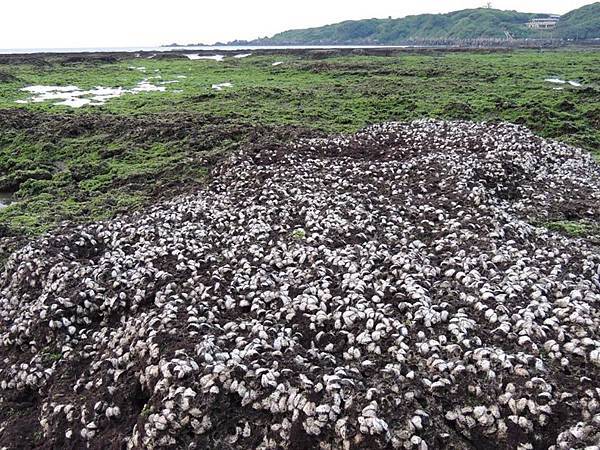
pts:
pixel 559 81
pixel 196 56
pixel 76 98
pixel 278 63
pixel 146 86
pixel 221 86
pixel 75 102
pixel 5 199
pixel 242 55
pixel 45 89
pixel 44 93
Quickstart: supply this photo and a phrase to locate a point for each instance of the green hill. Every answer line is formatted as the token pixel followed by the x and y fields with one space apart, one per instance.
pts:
pixel 582 23
pixel 481 23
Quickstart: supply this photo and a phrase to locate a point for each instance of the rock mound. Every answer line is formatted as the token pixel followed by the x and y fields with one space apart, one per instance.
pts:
pixel 383 290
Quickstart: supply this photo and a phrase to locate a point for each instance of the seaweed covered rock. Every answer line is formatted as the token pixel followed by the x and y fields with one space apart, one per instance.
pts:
pixel 6 77
pixel 381 290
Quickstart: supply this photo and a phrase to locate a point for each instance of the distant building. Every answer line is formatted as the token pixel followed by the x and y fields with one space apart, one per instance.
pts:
pixel 544 23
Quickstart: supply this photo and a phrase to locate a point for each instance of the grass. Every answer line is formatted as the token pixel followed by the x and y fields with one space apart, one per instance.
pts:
pixel 98 172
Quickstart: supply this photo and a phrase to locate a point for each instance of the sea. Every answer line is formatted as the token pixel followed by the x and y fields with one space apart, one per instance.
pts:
pixel 24 51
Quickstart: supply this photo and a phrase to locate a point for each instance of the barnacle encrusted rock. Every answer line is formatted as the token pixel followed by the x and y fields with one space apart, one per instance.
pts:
pixel 381 290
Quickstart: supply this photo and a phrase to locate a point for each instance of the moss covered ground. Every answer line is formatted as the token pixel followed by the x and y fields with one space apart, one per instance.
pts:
pixel 90 163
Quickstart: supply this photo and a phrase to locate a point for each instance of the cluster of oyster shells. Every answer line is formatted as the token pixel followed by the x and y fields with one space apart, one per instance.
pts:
pixel 380 290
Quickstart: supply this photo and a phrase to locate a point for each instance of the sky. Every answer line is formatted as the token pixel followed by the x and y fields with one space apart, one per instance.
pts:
pixel 124 23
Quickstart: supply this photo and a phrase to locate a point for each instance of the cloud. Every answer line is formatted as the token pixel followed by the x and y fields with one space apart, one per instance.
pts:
pixel 121 23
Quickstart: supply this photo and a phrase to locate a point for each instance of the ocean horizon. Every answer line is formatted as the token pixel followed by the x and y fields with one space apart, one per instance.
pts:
pixel 24 51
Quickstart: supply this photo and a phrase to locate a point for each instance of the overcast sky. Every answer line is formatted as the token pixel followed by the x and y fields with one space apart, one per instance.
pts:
pixel 123 23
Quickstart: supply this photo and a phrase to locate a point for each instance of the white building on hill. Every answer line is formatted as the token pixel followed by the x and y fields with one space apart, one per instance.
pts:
pixel 544 23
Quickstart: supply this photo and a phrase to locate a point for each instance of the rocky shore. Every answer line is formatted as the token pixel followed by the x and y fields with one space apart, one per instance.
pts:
pixel 384 290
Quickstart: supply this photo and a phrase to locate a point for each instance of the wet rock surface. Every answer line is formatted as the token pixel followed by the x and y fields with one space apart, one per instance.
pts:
pixel 168 126
pixel 198 131
pixel 383 290
pixel 98 58
pixel 6 77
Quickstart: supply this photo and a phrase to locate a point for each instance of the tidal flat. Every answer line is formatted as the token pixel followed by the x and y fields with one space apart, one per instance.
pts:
pixel 116 152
